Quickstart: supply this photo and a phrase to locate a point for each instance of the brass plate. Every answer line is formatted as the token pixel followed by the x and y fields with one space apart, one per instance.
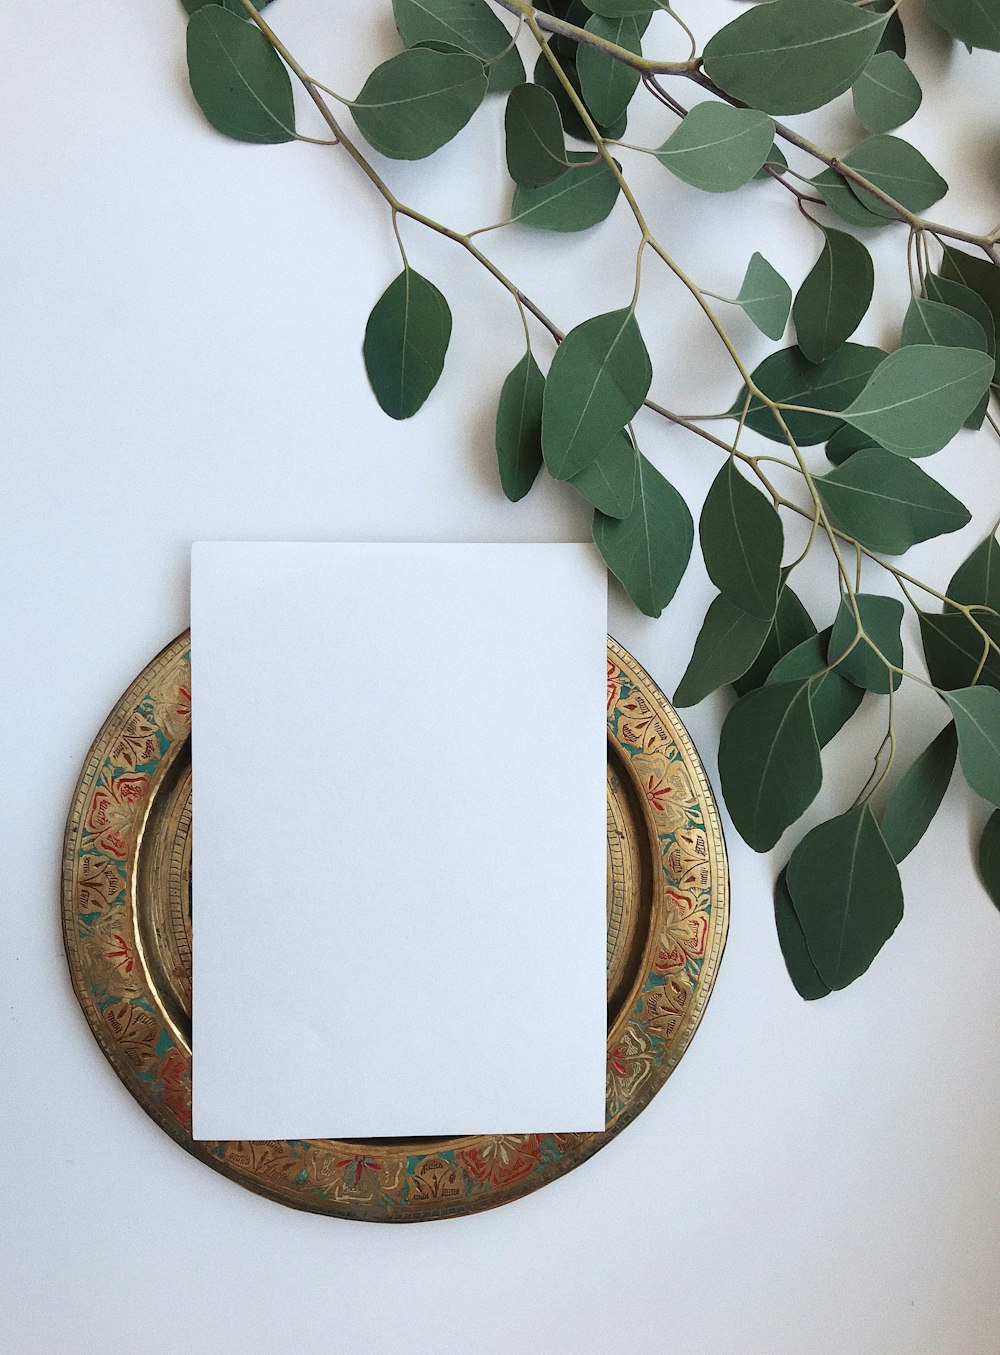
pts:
pixel 127 928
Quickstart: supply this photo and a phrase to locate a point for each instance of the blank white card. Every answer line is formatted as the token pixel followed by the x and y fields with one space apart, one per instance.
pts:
pixel 399 763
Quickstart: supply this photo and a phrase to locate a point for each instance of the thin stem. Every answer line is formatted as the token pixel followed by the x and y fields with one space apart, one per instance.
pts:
pixel 536 19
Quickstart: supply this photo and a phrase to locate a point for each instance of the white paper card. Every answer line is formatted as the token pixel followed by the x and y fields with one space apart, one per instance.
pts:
pixel 399 763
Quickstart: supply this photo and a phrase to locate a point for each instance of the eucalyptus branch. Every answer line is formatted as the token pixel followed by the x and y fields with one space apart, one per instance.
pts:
pixel 642 525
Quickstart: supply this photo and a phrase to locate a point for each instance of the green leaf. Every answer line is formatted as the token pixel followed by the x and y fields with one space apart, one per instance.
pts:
pixel 792 939
pixel 536 150
pixel 598 379
pixel 935 323
pixel 789 377
pixel 765 297
pixel 469 25
pixel 580 198
pixel 953 649
pixel 975 22
pixel 235 5
pixel 832 301
pixel 791 56
pixel 977 581
pixel 776 159
pixel 836 193
pixel 886 93
pixel 418 100
pixel 845 442
pixel 648 551
pixel 894 38
pixel 832 699
pixel 607 85
pixel 718 148
pixel 881 618
pixel 845 889
pixel 977 716
pixel 888 503
pixel 742 540
pixel 238 79
pixel 727 644
pixel 899 170
pixel 989 857
pixel 609 481
pixel 769 761
pixel 519 428
pixel 791 625
pixel 964 299
pixel 405 343
pixel 981 276
pixel 613 9
pixel 918 397
pixel 544 75
pixel 917 798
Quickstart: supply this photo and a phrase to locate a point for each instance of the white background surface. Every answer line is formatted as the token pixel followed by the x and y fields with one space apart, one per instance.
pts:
pixel 181 335
pixel 333 786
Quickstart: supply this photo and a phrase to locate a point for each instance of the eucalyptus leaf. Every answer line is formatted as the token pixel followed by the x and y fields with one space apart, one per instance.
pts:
pixel 845 442
pixel 935 323
pixel 406 340
pixel 236 6
pixel 609 481
pixel 765 297
pixel 835 191
pixel 886 93
pixel 832 301
pixel 791 625
pixel 881 618
pixel 954 649
pixel 769 761
pixel 981 276
pixel 888 503
pixel 977 717
pixel 727 645
pixel 607 85
pixel 718 148
pixel 519 428
pixel 792 939
pixel 545 76
pixel 536 149
pixel 791 56
pixel 579 198
pixel 648 551
pixel 598 379
pixel 989 857
pixel 961 298
pixel 918 795
pixel 976 582
pixel 790 377
pixel 776 160
pixel 415 102
pixel 238 79
pixel 845 890
pixel 894 37
pixel 975 22
pixel 899 170
pixel 918 397
pixel 742 540
pixel 832 699
pixel 614 9
pixel 470 26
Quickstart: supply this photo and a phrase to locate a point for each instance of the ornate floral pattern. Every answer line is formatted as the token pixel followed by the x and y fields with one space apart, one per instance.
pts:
pixel 404 1182
pixel 683 933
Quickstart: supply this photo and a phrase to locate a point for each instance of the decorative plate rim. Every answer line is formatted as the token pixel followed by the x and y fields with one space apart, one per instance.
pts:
pixel 352 1179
